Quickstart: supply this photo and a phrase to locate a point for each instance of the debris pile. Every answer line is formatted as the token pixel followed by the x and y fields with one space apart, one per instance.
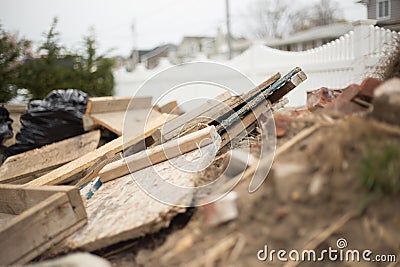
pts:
pixel 72 189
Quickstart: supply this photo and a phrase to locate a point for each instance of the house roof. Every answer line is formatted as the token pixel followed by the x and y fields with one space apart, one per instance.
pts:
pixel 157 50
pixel 331 31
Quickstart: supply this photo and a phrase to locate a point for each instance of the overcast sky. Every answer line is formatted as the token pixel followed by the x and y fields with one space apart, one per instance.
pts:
pixel 156 21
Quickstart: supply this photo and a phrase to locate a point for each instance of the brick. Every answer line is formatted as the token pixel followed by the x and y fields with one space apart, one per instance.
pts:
pixel 368 86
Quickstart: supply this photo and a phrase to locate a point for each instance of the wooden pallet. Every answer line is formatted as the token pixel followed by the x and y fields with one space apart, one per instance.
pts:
pixel 33 219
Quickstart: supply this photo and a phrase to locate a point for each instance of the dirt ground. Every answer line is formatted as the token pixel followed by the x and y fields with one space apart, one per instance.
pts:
pixel 320 190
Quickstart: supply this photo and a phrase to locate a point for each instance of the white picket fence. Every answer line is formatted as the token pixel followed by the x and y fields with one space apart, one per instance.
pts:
pixel 360 53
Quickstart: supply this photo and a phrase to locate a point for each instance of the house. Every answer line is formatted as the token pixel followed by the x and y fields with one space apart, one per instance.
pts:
pixel 151 58
pixel 191 46
pixel 386 12
pixel 214 48
pixel 311 38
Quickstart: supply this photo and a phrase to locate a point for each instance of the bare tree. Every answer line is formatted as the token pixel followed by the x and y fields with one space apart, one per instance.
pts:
pixel 324 12
pixel 276 19
pixel 270 17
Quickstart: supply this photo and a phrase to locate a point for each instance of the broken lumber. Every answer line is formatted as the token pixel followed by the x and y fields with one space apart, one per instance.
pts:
pixel 170 108
pixel 211 111
pixel 110 112
pixel 260 103
pixel 120 210
pixel 65 172
pixel 187 120
pixel 114 121
pixel 108 104
pixel 46 158
pixel 42 217
pixel 241 128
pixel 158 154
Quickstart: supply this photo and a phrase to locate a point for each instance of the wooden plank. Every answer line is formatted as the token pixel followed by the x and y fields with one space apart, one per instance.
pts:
pixel 290 85
pixel 27 179
pixel 14 199
pixel 238 130
pixel 113 104
pixel 180 121
pixel 66 171
pixel 120 210
pixel 47 157
pixel 56 213
pixel 170 108
pixel 158 154
pixel 114 121
pixel 88 123
pixel 5 218
pixel 210 112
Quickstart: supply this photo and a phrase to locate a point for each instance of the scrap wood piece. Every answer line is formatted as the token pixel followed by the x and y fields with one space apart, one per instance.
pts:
pixel 190 118
pixel 293 79
pixel 120 210
pixel 88 123
pixel 317 239
pixel 271 95
pixel 94 170
pixel 158 154
pixel 108 104
pixel 212 110
pixel 170 108
pixel 47 157
pixel 109 112
pixel 65 172
pixel 43 216
pixel 261 103
pixel 114 121
pixel 239 128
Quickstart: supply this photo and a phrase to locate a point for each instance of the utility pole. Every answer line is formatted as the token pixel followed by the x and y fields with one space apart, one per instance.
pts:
pixel 135 55
pixel 228 29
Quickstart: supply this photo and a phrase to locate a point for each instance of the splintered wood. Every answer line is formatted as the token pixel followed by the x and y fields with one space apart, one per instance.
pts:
pixel 120 210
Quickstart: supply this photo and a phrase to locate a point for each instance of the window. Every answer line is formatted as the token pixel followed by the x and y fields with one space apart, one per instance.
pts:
pixel 383 9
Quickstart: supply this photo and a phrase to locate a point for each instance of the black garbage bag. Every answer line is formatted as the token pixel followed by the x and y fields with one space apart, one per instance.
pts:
pixel 6 130
pixel 57 117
